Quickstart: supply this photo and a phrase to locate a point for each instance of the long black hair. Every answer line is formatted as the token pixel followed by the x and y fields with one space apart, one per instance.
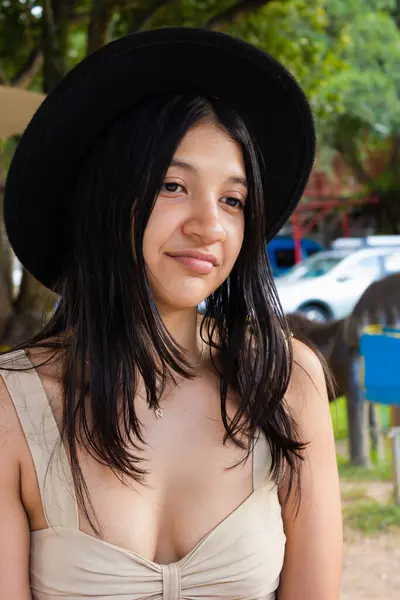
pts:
pixel 107 326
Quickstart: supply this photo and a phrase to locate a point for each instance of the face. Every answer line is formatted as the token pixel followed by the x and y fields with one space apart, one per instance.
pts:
pixel 195 231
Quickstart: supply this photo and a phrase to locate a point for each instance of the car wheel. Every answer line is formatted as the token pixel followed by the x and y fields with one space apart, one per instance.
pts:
pixel 314 312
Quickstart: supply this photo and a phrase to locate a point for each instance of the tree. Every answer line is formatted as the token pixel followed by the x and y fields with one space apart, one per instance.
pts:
pixel 364 126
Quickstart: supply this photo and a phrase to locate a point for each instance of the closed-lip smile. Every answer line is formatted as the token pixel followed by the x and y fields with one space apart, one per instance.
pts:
pixel 201 262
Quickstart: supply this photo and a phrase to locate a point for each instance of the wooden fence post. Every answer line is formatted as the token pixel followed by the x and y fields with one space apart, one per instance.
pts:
pixel 395 424
pixel 357 415
pixel 376 432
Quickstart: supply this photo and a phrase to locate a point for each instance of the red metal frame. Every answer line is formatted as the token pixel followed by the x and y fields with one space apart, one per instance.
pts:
pixel 319 209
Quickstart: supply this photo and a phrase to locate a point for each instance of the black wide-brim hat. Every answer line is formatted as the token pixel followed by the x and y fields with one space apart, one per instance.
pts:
pixel 52 150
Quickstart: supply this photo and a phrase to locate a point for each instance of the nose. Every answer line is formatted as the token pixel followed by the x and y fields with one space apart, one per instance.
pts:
pixel 204 221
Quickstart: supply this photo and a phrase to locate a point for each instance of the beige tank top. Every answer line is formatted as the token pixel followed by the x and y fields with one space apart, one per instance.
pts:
pixel 241 558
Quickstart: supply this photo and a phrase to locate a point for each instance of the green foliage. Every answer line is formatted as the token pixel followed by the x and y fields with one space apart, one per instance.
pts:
pixel 77 46
pixel 189 13
pixel 19 33
pixel 371 41
pixel 366 93
pixel 346 10
pixel 372 517
pixel 339 418
pixel 294 33
pixel 367 90
pixel 7 149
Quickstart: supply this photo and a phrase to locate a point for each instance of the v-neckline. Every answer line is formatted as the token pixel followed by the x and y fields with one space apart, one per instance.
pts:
pixel 158 566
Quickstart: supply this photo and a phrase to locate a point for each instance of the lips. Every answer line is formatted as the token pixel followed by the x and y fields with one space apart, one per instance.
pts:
pixel 200 262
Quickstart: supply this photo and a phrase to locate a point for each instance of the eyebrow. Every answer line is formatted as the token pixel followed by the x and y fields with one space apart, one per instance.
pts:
pixel 188 167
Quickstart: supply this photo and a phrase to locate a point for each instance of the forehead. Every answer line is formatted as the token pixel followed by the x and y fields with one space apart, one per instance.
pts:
pixel 209 144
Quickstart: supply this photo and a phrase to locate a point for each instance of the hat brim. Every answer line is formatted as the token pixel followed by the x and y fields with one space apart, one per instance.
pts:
pixel 50 154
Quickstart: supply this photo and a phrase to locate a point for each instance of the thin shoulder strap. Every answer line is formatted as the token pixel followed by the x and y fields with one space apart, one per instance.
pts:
pixel 261 462
pixel 43 437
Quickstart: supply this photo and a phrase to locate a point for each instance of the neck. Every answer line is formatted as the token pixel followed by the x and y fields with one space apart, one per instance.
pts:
pixel 183 325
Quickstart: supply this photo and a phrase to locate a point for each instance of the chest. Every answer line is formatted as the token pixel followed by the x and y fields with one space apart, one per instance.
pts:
pixel 193 480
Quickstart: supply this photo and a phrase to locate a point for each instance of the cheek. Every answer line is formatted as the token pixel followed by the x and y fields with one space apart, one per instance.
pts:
pixel 147 246
pixel 156 235
pixel 235 237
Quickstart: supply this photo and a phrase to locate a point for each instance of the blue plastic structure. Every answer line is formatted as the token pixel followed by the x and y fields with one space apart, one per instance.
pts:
pixel 380 353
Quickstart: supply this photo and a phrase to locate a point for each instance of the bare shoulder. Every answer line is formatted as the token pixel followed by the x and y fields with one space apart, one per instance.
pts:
pixel 307 382
pixel 307 395
pixel 306 363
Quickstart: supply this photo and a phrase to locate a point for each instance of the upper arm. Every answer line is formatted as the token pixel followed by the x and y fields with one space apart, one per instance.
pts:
pixel 14 528
pixel 313 556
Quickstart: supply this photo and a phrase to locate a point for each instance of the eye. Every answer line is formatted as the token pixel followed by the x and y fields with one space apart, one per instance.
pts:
pixel 171 187
pixel 233 202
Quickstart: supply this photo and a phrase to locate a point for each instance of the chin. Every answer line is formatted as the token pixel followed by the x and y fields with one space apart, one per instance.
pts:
pixel 184 303
pixel 181 300
pixel 182 294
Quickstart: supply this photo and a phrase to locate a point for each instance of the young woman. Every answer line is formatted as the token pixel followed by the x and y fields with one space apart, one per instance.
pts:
pixel 147 451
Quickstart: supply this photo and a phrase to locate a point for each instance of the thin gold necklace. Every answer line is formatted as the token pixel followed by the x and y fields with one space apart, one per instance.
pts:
pixel 159 411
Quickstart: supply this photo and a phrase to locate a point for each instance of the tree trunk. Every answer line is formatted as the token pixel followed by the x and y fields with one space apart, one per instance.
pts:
pixel 100 19
pixel 376 433
pixel 222 20
pixel 55 37
pixel 143 13
pixel 357 416
pixel 29 69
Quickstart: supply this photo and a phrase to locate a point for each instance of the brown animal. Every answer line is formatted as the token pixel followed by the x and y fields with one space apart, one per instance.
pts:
pixel 329 340
pixel 379 305
pixel 338 343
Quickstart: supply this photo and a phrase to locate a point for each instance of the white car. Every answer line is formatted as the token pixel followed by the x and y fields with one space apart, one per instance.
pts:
pixel 329 284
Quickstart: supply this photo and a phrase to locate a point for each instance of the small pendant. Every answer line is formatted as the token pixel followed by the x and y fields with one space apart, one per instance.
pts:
pixel 159 413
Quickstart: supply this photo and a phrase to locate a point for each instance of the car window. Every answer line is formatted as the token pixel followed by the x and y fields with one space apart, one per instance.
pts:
pixel 315 266
pixel 392 263
pixel 368 267
pixel 321 266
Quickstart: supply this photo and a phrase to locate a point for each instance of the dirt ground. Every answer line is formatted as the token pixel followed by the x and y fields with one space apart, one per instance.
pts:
pixel 371 567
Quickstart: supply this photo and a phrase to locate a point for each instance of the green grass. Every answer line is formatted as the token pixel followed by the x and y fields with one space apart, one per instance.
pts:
pixel 354 494
pixel 361 512
pixel 377 472
pixel 372 517
pixel 339 418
